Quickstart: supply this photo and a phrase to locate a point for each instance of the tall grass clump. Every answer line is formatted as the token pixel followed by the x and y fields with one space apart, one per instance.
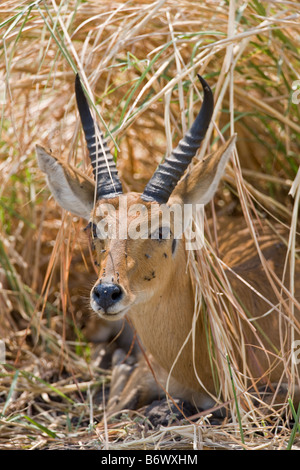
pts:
pixel 138 61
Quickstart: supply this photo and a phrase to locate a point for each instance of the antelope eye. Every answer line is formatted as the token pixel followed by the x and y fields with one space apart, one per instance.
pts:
pixel 161 233
pixel 92 229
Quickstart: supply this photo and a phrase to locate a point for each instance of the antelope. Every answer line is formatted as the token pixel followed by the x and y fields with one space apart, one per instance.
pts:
pixel 146 280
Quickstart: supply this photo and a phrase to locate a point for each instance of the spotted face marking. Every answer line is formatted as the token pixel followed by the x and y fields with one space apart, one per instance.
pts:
pixel 149 278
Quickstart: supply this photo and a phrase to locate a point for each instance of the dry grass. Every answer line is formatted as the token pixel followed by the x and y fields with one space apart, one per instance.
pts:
pixel 139 60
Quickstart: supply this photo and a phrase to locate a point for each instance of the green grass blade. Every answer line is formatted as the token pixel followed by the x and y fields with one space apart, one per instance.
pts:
pixel 296 425
pixel 40 427
pixel 11 390
pixel 236 402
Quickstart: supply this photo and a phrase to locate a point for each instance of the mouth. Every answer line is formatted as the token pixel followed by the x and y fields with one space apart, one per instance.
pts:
pixel 111 315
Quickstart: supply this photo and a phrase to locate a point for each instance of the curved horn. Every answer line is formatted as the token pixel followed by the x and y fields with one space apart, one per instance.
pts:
pixel 104 168
pixel 168 173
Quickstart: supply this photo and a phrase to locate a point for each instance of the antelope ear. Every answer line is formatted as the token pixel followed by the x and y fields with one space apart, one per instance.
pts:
pixel 199 185
pixel 72 190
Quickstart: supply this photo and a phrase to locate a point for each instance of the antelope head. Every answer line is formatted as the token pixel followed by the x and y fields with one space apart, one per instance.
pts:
pixel 138 240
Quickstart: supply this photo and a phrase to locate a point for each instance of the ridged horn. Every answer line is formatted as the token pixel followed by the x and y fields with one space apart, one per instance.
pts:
pixel 169 173
pixel 105 172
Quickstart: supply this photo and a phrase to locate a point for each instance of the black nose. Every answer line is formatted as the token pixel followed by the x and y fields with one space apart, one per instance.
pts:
pixel 107 294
